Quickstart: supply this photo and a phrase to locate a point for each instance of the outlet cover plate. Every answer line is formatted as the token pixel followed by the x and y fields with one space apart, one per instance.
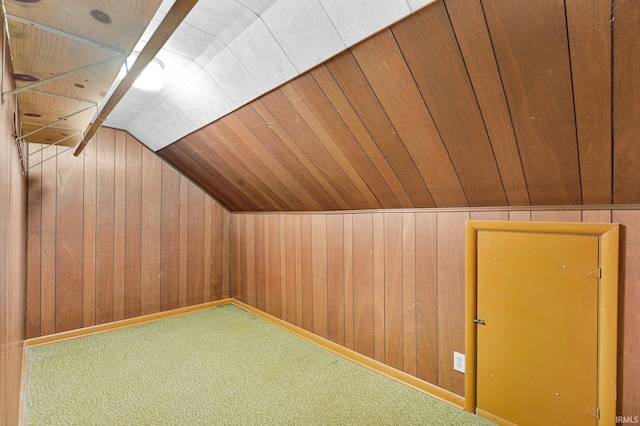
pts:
pixel 458 361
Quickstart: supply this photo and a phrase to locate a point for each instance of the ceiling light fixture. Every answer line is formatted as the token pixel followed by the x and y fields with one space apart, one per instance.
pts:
pixel 152 78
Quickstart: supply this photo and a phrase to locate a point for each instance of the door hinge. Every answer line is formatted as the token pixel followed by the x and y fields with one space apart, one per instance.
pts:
pixel 595 273
pixel 479 321
pixel 592 411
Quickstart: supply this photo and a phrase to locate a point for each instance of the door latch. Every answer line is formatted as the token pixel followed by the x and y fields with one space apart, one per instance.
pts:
pixel 479 321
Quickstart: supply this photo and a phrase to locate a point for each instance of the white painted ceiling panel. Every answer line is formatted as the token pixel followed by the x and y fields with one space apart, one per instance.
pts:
pixel 200 97
pixel 417 4
pixel 229 52
pixel 304 31
pixel 224 19
pixel 355 20
pixel 261 54
pixel 257 6
pixel 233 77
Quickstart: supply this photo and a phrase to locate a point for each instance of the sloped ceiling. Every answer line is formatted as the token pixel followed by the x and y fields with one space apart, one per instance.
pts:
pixel 229 52
pixel 464 103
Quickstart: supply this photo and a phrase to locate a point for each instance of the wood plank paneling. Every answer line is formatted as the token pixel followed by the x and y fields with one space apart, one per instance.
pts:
pixel 150 234
pixel 430 48
pixel 464 102
pixel 589 29
pixel 48 248
pixel 302 141
pixel 256 117
pixel 354 84
pixel 260 288
pixel 335 279
pixel 363 283
pixel 392 283
pixel 427 296
pixel 317 111
pixel 306 267
pixel 119 235
pixel 105 223
pixel 184 241
pixel 115 228
pixel 133 225
pixel 366 153
pixel 68 237
pixel 195 250
pixel 319 268
pixel 405 107
pixel 378 288
pixel 19 248
pixel 289 258
pixel 472 35
pixel 34 243
pixel 409 293
pixel 451 254
pixel 626 89
pixel 89 242
pixel 531 48
pixel 628 314
pixel 170 239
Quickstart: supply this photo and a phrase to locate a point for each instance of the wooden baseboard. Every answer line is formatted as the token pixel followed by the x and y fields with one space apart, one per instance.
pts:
pixel 120 324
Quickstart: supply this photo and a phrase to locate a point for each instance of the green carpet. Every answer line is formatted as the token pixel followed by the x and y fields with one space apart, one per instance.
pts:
pixel 217 366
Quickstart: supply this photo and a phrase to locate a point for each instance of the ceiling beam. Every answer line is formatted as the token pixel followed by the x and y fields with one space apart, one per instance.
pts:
pixel 169 24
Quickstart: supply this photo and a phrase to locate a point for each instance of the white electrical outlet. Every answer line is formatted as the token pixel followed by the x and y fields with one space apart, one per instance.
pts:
pixel 458 362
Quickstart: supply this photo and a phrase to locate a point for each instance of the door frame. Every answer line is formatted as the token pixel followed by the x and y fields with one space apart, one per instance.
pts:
pixel 607 334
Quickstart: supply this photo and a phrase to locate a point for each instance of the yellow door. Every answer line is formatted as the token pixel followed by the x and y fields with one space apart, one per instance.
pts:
pixel 537 308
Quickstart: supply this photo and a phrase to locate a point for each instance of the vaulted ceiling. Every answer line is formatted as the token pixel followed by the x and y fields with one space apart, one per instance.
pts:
pixel 461 103
pixel 464 103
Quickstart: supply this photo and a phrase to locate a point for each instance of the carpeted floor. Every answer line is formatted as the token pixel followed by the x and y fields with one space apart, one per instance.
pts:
pixel 218 366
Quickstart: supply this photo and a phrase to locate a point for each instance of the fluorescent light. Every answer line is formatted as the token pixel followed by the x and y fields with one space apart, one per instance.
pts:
pixel 152 77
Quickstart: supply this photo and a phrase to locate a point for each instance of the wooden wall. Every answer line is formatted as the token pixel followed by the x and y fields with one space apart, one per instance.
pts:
pixel 13 190
pixel 390 285
pixel 117 233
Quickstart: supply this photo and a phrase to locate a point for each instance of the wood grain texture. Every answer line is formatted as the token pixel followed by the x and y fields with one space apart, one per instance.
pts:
pixel 119 234
pixel 15 240
pixel 392 283
pixel 427 296
pixel 531 48
pixel 133 225
pixel 464 102
pixel 626 86
pixel 628 315
pixel 105 224
pixel 150 233
pixel 351 80
pixel 112 237
pixel 363 284
pixel 68 237
pixel 589 29
pixel 429 46
pixel 89 242
pixel 335 279
pixel 170 239
pixel 48 249
pixel 195 249
pixel 401 100
pixel 472 35
pixel 34 243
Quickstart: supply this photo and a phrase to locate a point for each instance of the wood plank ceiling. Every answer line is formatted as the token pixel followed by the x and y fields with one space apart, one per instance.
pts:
pixel 65 57
pixel 464 103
